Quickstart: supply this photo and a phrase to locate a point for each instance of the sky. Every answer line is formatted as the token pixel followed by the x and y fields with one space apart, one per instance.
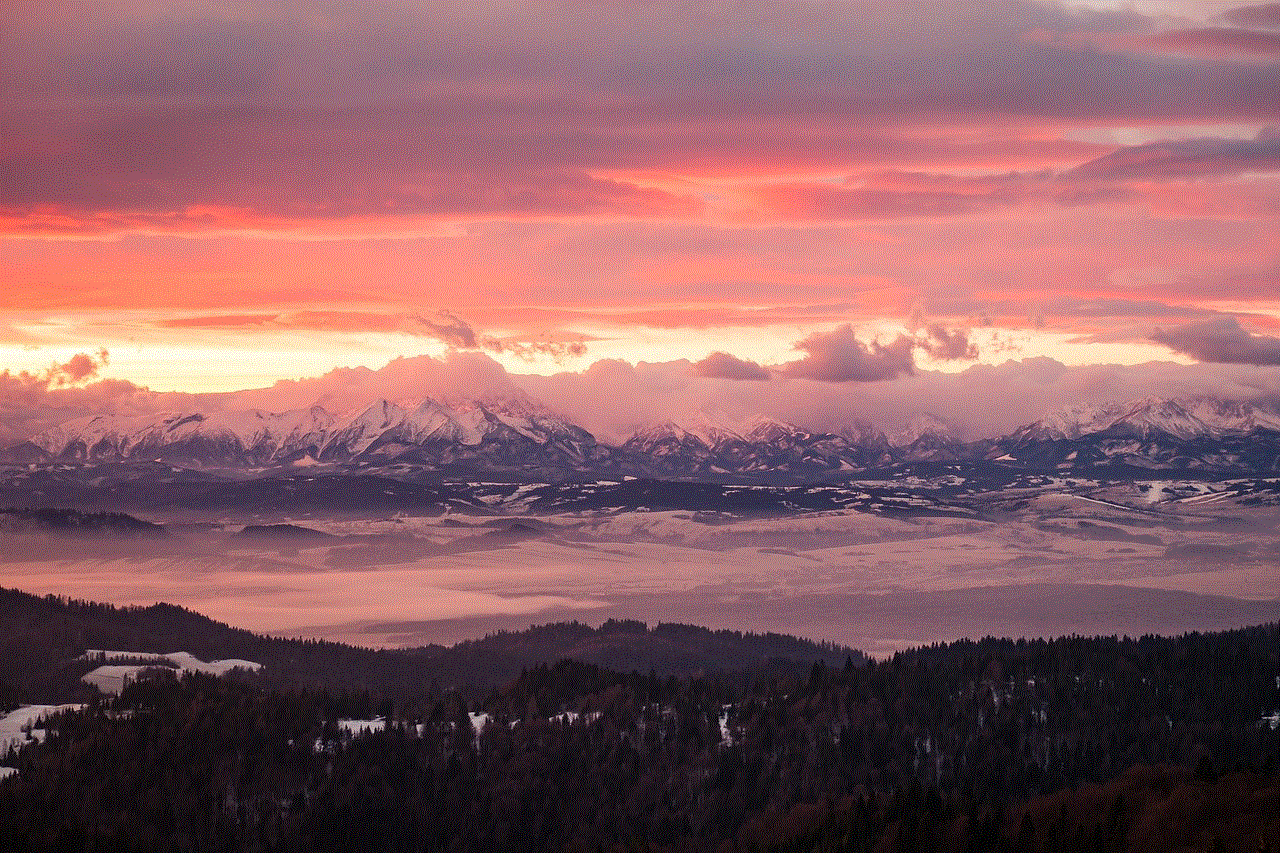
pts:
pixel 817 209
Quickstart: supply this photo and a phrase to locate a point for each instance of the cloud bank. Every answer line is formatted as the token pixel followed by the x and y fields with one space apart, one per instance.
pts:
pixel 1221 340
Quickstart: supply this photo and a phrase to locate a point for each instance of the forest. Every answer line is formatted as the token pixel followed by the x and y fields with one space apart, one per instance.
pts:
pixel 42 638
pixel 1068 744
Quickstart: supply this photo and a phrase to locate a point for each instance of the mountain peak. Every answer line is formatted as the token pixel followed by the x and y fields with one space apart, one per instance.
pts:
pixel 765 429
pixel 924 425
pixel 1182 418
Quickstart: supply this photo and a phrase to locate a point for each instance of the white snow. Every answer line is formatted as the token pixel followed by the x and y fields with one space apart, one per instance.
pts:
pixel 572 717
pixel 113 678
pixel 921 426
pixel 1184 418
pixel 726 734
pixel 13 723
pixel 359 727
pixel 6 772
pixel 312 432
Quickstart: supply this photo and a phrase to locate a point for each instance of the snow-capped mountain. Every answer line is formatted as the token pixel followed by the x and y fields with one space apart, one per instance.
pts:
pixel 221 438
pixel 1185 419
pixel 703 445
pixel 512 432
pixel 927 438
pixel 922 426
pixel 1201 433
pixel 698 435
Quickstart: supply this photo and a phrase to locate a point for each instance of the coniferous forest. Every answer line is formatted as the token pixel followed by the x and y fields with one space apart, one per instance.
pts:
pixel 1072 744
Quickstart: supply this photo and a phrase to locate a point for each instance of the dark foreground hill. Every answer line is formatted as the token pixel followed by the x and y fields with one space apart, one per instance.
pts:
pixel 1046 746
pixel 40 638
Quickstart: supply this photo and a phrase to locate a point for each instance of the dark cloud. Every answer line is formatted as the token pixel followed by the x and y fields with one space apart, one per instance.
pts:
pixel 946 344
pixel 557 351
pixel 1265 15
pixel 1220 40
pixel 377 110
pixel 448 328
pixel 1222 340
pixel 1186 158
pixel 838 356
pixel 722 365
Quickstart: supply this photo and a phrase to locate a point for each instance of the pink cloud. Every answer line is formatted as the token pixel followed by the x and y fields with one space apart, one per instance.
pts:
pixel 392 112
pixel 838 356
pixel 33 402
pixel 947 344
pixel 612 397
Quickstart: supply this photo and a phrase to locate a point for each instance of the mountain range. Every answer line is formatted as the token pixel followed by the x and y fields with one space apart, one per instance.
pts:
pixel 514 433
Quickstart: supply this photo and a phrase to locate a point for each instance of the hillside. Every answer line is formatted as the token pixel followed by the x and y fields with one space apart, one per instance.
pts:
pixel 40 637
pixel 1069 744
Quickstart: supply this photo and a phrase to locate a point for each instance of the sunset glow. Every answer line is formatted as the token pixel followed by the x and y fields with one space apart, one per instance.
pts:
pixel 222 196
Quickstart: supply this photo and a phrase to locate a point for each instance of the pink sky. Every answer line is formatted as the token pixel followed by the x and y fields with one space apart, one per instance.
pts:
pixel 837 198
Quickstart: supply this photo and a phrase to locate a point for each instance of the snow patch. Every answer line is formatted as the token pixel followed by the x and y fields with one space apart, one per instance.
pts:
pixel 113 678
pixel 359 727
pixel 28 717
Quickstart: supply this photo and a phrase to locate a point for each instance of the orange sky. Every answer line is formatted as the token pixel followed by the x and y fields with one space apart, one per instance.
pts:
pixel 222 195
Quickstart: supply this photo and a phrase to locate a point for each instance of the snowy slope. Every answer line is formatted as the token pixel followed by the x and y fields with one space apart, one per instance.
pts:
pixel 511 432
pixel 113 678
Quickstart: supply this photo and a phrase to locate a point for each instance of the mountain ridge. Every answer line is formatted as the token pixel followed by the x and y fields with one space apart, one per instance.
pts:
pixel 515 433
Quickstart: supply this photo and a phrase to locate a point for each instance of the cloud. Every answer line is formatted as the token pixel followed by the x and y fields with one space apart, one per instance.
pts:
pixel 1264 15
pixel 219 321
pixel 1219 41
pixel 1120 178
pixel 1222 340
pixel 397 113
pixel 33 402
pixel 80 367
pixel 448 328
pixel 722 365
pixel 444 326
pixel 896 195
pixel 838 356
pixel 457 373
pixel 1185 158
pixel 557 351
pixel 612 398
pixel 946 345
